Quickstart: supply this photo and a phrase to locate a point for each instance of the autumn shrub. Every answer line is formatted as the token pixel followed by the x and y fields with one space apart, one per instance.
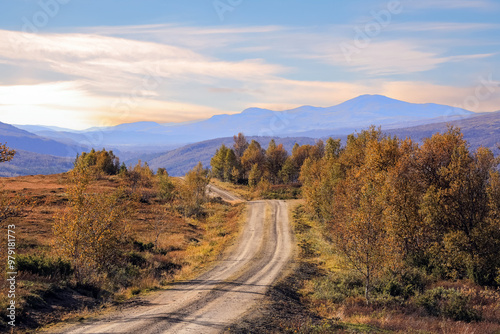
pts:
pixel 6 154
pixel 283 192
pixel 136 259
pixel 162 266
pixel 166 187
pixel 193 192
pixel 122 275
pixel 100 162
pixel 138 181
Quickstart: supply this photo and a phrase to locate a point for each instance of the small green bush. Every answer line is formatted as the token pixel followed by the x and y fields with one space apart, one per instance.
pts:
pixel 44 266
pixel 448 303
pixel 404 284
pixel 336 287
pixel 136 259
pixel 142 247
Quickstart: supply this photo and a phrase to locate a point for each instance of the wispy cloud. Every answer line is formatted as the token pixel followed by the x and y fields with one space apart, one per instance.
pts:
pixel 452 4
pixel 441 27
pixel 114 64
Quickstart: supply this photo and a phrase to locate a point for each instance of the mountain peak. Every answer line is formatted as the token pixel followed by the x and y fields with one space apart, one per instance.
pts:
pixel 255 111
pixel 374 98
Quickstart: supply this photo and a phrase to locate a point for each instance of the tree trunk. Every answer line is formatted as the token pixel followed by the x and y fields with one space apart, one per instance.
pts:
pixel 367 289
pixel 367 294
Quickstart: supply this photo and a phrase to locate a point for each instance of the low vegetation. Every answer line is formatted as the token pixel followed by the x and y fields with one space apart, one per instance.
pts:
pixel 103 233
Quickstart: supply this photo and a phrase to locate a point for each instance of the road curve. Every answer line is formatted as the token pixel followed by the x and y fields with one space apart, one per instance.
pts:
pixel 225 195
pixel 219 297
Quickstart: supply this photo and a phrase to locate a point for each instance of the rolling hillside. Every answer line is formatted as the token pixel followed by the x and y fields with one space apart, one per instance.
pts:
pixel 29 163
pixel 480 130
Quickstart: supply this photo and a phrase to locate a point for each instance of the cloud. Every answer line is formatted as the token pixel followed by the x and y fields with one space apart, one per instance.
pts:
pixel 441 27
pixel 477 98
pixel 386 58
pixel 451 4
pixel 194 38
pixel 115 65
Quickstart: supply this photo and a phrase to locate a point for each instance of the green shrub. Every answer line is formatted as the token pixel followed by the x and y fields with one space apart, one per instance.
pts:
pixel 44 266
pixel 405 284
pixel 136 259
pixel 448 303
pixel 336 287
pixel 141 247
pixel 458 307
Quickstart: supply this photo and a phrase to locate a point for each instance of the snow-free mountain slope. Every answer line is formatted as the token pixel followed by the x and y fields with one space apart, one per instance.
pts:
pixel 23 140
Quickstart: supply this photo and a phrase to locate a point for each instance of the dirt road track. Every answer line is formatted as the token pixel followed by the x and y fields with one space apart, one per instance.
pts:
pixel 225 195
pixel 219 297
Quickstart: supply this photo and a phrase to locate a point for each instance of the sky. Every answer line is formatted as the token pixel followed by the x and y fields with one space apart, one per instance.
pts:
pixel 84 63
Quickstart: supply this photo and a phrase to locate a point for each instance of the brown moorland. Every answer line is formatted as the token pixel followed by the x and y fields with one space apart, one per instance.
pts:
pixel 162 245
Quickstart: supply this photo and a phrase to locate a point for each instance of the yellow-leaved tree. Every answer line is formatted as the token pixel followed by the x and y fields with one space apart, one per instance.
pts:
pixel 359 229
pixel 8 207
pixel 6 154
pixel 194 190
pixel 89 231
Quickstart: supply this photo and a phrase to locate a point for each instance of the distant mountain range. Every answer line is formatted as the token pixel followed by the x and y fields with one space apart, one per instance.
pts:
pixel 309 121
pixel 178 147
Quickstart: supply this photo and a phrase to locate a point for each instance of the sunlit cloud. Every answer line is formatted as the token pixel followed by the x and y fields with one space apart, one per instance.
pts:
pixel 120 64
pixel 476 97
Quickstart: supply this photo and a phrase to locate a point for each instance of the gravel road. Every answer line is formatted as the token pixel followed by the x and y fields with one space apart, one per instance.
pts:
pixel 218 298
pixel 225 195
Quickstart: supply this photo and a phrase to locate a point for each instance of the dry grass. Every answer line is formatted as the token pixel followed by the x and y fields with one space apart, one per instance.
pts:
pixel 243 191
